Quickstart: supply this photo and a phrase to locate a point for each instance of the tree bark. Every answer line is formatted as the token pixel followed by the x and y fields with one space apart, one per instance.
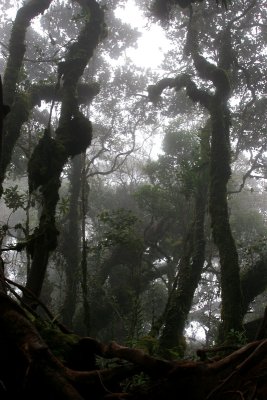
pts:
pixel 220 172
pixel 84 265
pixel 71 238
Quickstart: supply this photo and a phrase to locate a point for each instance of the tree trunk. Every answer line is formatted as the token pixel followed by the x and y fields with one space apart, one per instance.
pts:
pixel 72 137
pixel 84 264
pixel 71 244
pixel 220 172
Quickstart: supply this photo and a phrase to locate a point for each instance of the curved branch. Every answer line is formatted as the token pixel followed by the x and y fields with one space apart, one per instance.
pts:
pixel 207 70
pixel 181 81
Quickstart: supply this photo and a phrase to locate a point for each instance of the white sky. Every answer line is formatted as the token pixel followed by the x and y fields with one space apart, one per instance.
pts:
pixel 148 54
pixel 151 45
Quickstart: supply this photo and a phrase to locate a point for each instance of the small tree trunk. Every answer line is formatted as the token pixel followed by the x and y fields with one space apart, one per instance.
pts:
pixel 84 266
pixel 71 244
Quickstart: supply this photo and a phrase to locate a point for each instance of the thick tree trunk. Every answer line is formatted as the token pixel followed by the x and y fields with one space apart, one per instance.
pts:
pixel 219 175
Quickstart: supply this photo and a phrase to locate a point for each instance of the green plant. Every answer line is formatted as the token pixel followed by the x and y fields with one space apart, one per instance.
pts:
pixel 13 199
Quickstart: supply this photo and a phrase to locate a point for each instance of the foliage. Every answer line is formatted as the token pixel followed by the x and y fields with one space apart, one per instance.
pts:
pixel 120 229
pixel 61 344
pixel 153 199
pixel 137 382
pixel 13 198
pixel 147 343
pixel 236 337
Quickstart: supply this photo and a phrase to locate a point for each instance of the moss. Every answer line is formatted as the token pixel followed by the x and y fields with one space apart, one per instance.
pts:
pixel 76 136
pixel 46 236
pixel 20 109
pixel 221 80
pixel 44 169
pixel 148 343
pixel 153 93
pixel 204 67
pixel 86 92
pixel 46 161
pixel 211 72
pixel 61 344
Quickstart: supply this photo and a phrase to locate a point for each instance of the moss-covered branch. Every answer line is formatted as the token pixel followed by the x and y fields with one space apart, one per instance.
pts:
pixel 181 81
pixel 207 70
pixel 22 107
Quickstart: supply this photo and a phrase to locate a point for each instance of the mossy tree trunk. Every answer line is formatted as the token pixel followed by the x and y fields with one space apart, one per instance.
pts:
pixel 220 170
pixel 231 312
pixel 72 137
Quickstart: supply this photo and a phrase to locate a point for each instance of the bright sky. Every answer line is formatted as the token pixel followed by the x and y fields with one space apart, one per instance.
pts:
pixel 148 54
pixel 151 45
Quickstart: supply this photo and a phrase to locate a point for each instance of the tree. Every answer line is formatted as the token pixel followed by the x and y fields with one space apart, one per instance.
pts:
pixel 219 169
